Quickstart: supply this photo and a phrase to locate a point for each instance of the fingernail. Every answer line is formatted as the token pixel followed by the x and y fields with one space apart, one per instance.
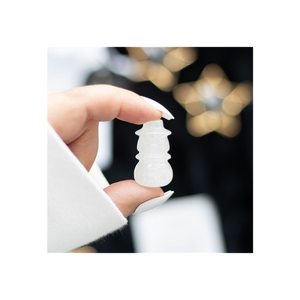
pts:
pixel 152 203
pixel 166 114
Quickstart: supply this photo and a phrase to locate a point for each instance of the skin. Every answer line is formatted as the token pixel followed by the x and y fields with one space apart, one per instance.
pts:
pixel 75 114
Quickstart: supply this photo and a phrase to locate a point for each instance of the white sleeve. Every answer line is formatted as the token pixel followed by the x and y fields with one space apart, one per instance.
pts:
pixel 79 211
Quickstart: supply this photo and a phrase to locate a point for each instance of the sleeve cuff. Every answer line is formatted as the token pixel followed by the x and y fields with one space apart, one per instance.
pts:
pixel 79 211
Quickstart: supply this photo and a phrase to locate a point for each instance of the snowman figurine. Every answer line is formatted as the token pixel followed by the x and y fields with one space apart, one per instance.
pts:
pixel 153 168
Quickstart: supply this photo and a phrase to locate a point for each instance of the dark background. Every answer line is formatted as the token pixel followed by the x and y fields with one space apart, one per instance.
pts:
pixel 212 164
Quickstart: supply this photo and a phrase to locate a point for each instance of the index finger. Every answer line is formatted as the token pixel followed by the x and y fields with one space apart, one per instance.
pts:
pixel 105 102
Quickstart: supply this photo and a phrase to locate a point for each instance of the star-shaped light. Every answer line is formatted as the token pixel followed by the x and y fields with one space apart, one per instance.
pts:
pixel 213 103
pixel 161 65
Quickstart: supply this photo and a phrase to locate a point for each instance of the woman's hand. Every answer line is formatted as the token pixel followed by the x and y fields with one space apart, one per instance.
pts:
pixel 75 114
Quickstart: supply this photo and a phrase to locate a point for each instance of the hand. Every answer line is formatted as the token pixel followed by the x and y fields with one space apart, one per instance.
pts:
pixel 75 114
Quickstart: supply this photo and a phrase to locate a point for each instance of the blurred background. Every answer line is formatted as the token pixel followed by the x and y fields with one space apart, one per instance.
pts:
pixel 209 91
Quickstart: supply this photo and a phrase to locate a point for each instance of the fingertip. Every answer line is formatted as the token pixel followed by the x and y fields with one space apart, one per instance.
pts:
pixel 164 112
pixel 128 195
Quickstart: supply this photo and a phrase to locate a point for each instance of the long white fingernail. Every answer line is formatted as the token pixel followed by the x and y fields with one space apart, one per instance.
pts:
pixel 153 202
pixel 166 114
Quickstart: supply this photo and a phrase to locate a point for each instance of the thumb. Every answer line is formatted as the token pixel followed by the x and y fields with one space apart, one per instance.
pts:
pixel 128 195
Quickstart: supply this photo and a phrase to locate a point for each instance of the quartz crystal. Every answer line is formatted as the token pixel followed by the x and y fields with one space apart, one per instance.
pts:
pixel 153 169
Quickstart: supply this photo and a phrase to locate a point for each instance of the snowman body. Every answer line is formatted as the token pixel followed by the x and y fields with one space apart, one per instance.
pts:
pixel 153 168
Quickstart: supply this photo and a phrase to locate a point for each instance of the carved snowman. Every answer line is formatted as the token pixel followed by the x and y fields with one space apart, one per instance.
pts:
pixel 153 168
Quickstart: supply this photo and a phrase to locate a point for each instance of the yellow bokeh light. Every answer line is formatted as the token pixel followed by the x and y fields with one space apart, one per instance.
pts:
pixel 196 126
pixel 204 89
pixel 213 120
pixel 232 105
pixel 179 58
pixel 230 126
pixel 213 103
pixel 161 65
pixel 195 108
pixel 184 92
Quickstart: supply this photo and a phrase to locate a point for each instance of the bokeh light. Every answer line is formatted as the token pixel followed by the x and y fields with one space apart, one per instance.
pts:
pixel 161 65
pixel 213 102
